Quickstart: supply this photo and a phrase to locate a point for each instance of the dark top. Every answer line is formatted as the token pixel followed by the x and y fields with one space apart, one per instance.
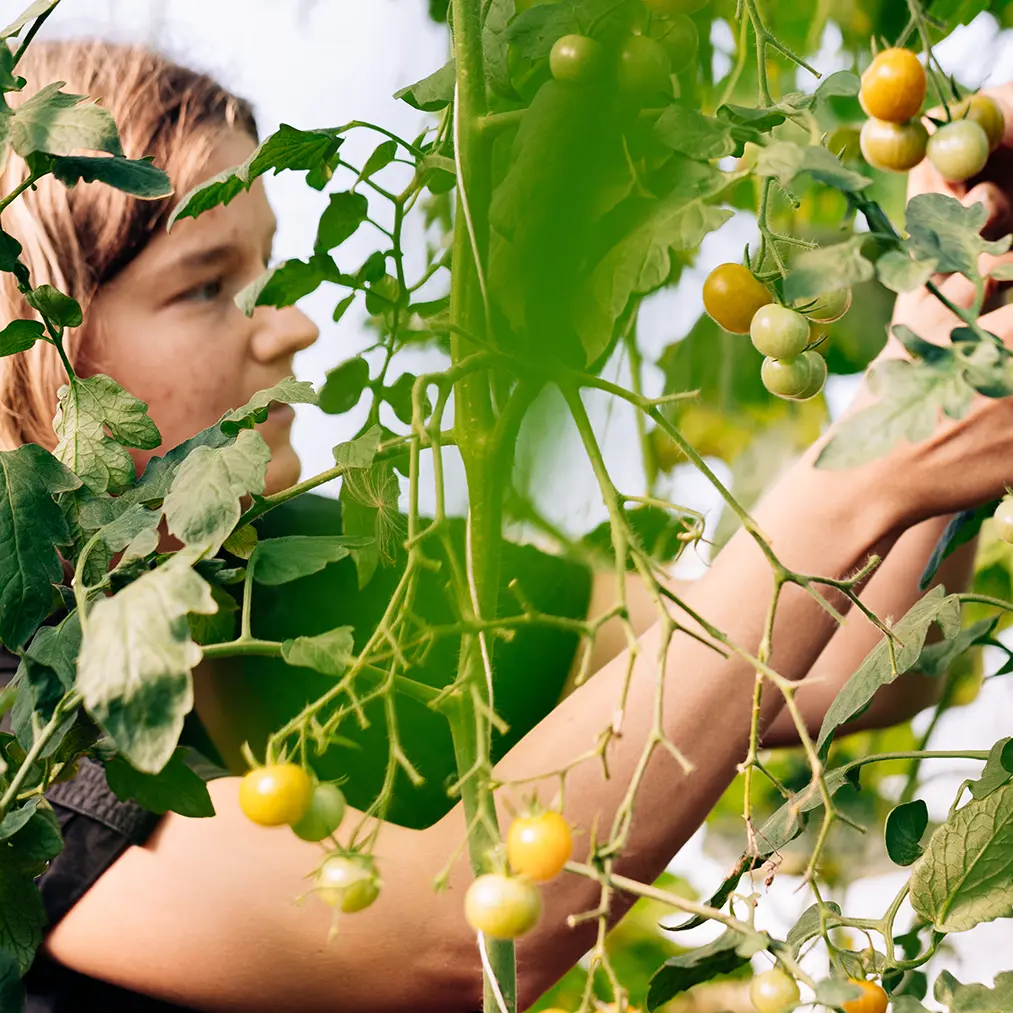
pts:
pixel 97 827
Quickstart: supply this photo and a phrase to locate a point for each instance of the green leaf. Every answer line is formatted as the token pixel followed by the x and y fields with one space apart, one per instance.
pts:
pixel 937 659
pixel 685 970
pixel 382 156
pixel 828 270
pixel 835 992
pixel 911 394
pixel 158 476
pixel 339 310
pixel 58 123
pixel 59 309
pixel 288 148
pixel 763 120
pixel 965 876
pixel 975 998
pixel 285 284
pixel 784 160
pixel 203 505
pixel 360 452
pixel 682 128
pixel 31 527
pixel 135 176
pixel 17 818
pixel 877 670
pixel 288 391
pixel 399 396
pixel 946 231
pixel 22 914
pixel 1002 272
pixel 89 407
pixel 219 627
pixel 641 260
pixel 998 770
pixel 842 83
pixel 344 386
pixel 807 927
pixel 905 827
pixel 136 659
pixel 330 653
pixel 33 11
pixel 280 560
pixel 431 93
pixel 900 272
pixel 340 220
pixel 12 988
pixel 961 529
pixel 369 500
pixel 36 844
pixel 241 543
pixel 19 336
pixel 175 788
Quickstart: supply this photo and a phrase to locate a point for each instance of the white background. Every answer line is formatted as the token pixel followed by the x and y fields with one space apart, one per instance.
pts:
pixel 326 62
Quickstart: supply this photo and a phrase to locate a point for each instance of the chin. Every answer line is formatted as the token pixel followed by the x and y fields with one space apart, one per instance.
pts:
pixel 283 471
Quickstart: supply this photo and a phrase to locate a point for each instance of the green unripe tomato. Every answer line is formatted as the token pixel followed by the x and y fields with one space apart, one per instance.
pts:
pixel 826 308
pixel 732 296
pixel 502 907
pixel 983 110
pixel 959 150
pixel 575 58
pixel 348 882
pixel 773 991
pixel 786 377
pixel 817 375
pixel 666 8
pixel 324 816
pixel 1003 518
pixel 645 70
pixel 779 332
pixel 893 147
pixel 680 38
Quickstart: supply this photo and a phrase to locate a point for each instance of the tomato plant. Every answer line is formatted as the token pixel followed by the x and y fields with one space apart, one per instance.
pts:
pixel 576 162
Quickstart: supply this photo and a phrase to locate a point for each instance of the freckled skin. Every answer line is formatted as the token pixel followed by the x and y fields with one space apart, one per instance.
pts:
pixel 168 330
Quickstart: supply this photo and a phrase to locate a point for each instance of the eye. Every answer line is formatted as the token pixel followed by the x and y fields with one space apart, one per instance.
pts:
pixel 205 292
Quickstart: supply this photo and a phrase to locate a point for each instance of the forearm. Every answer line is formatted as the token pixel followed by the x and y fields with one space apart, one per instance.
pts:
pixel 707 700
pixel 891 592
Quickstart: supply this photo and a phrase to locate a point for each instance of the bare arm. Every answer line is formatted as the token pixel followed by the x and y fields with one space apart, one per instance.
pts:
pixel 214 897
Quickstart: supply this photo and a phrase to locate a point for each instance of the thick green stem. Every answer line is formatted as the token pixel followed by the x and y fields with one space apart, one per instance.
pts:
pixel 474 425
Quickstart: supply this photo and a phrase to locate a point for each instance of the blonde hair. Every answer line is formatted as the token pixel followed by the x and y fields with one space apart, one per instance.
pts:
pixel 79 239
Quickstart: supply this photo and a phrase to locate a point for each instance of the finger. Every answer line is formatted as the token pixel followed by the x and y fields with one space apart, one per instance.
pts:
pixel 924 178
pixel 997 204
pixel 1000 323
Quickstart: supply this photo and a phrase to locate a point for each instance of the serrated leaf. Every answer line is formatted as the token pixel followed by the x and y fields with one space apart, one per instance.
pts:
pixel 203 505
pixel 289 391
pixel 965 876
pixel 31 527
pixel 900 272
pixel 287 148
pixel 998 770
pixel 341 218
pixel 975 998
pixel 88 407
pixel 839 266
pixel 158 476
pixel 877 670
pixel 944 230
pixel 431 93
pixel 30 13
pixel 784 160
pixel 807 927
pixel 360 452
pixel 835 992
pixel 175 788
pixel 19 336
pixel 22 914
pixel 134 671
pixel 685 970
pixel 682 128
pixel 344 386
pixel 905 827
pixel 138 177
pixel 59 123
pixel 280 560
pixel 330 653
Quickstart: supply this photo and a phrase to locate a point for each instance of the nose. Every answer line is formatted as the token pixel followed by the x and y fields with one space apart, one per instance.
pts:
pixel 282 332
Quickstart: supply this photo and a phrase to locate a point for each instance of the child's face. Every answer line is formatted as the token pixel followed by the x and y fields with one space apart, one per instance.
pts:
pixel 167 328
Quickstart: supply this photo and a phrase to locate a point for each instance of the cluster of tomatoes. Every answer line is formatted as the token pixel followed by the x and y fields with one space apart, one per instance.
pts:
pixel 644 63
pixel 506 905
pixel 894 137
pixel 775 991
pixel 741 304
pixel 282 794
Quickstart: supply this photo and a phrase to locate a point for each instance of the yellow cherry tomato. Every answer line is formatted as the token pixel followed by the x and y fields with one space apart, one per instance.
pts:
pixel 539 846
pixel 348 882
pixel 502 907
pixel 276 794
pixel 872 1000
pixel 773 991
pixel 893 86
pixel 731 295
